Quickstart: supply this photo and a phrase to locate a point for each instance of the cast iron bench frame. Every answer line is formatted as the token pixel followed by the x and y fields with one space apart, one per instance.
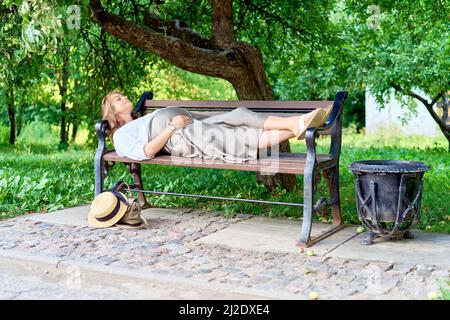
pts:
pixel 310 164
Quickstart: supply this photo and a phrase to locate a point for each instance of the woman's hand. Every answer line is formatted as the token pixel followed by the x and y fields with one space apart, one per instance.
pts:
pixel 181 121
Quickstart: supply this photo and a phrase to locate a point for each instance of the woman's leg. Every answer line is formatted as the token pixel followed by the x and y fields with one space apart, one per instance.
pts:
pixel 281 123
pixel 238 117
pixel 285 123
pixel 243 116
pixel 271 138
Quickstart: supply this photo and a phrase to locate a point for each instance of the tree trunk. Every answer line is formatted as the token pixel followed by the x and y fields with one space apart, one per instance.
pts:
pixel 254 86
pixel 74 131
pixel 445 129
pixel 63 131
pixel 442 125
pixel 12 121
pixel 20 118
pixel 9 93
pixel 62 84
pixel 445 104
pixel 221 56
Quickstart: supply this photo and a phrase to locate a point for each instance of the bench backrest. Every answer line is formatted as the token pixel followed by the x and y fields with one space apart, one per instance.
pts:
pixel 280 108
pixel 271 107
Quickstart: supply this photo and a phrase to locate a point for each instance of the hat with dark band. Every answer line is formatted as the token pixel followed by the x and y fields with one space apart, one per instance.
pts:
pixel 107 209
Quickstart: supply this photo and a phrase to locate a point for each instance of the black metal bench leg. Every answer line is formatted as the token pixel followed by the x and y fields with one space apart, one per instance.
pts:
pixel 308 209
pixel 332 179
pixel 99 169
pixel 135 169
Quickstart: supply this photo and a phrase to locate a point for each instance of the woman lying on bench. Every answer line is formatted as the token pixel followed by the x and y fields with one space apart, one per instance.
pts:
pixel 234 136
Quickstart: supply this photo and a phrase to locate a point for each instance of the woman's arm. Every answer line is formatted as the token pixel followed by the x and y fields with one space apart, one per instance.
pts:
pixel 154 146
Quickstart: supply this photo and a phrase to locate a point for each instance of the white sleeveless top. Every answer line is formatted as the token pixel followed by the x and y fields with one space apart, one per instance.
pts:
pixel 130 139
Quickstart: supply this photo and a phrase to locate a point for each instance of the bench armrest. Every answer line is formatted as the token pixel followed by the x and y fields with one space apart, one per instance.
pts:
pixel 140 106
pixel 338 105
pixel 334 121
pixel 100 170
pixel 101 128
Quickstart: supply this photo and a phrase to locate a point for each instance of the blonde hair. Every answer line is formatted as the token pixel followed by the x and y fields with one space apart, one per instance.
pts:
pixel 109 115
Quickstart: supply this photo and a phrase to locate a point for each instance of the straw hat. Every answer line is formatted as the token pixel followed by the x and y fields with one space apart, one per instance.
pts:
pixel 106 210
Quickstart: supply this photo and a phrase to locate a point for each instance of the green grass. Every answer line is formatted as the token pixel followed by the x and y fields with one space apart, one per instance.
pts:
pixel 444 288
pixel 36 177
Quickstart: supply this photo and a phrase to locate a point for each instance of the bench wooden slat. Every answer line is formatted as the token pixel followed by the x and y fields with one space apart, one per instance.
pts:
pixel 285 163
pixel 251 104
pixel 211 113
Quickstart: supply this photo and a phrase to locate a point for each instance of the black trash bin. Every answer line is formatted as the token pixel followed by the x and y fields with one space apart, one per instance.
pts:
pixel 388 196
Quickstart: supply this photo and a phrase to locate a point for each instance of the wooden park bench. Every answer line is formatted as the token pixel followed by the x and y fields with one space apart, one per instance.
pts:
pixel 310 164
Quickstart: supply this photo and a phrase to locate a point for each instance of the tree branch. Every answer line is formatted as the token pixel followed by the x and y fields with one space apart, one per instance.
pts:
pixel 399 89
pixel 237 62
pixel 209 62
pixel 176 28
pixel 436 98
pixel 283 22
pixel 428 105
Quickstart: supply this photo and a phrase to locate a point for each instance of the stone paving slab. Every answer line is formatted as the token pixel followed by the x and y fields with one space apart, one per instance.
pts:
pixel 170 247
pixel 77 216
pixel 279 235
pixel 426 248
pixel 275 235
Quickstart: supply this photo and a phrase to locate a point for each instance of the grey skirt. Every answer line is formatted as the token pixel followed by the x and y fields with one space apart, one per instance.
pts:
pixel 231 136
